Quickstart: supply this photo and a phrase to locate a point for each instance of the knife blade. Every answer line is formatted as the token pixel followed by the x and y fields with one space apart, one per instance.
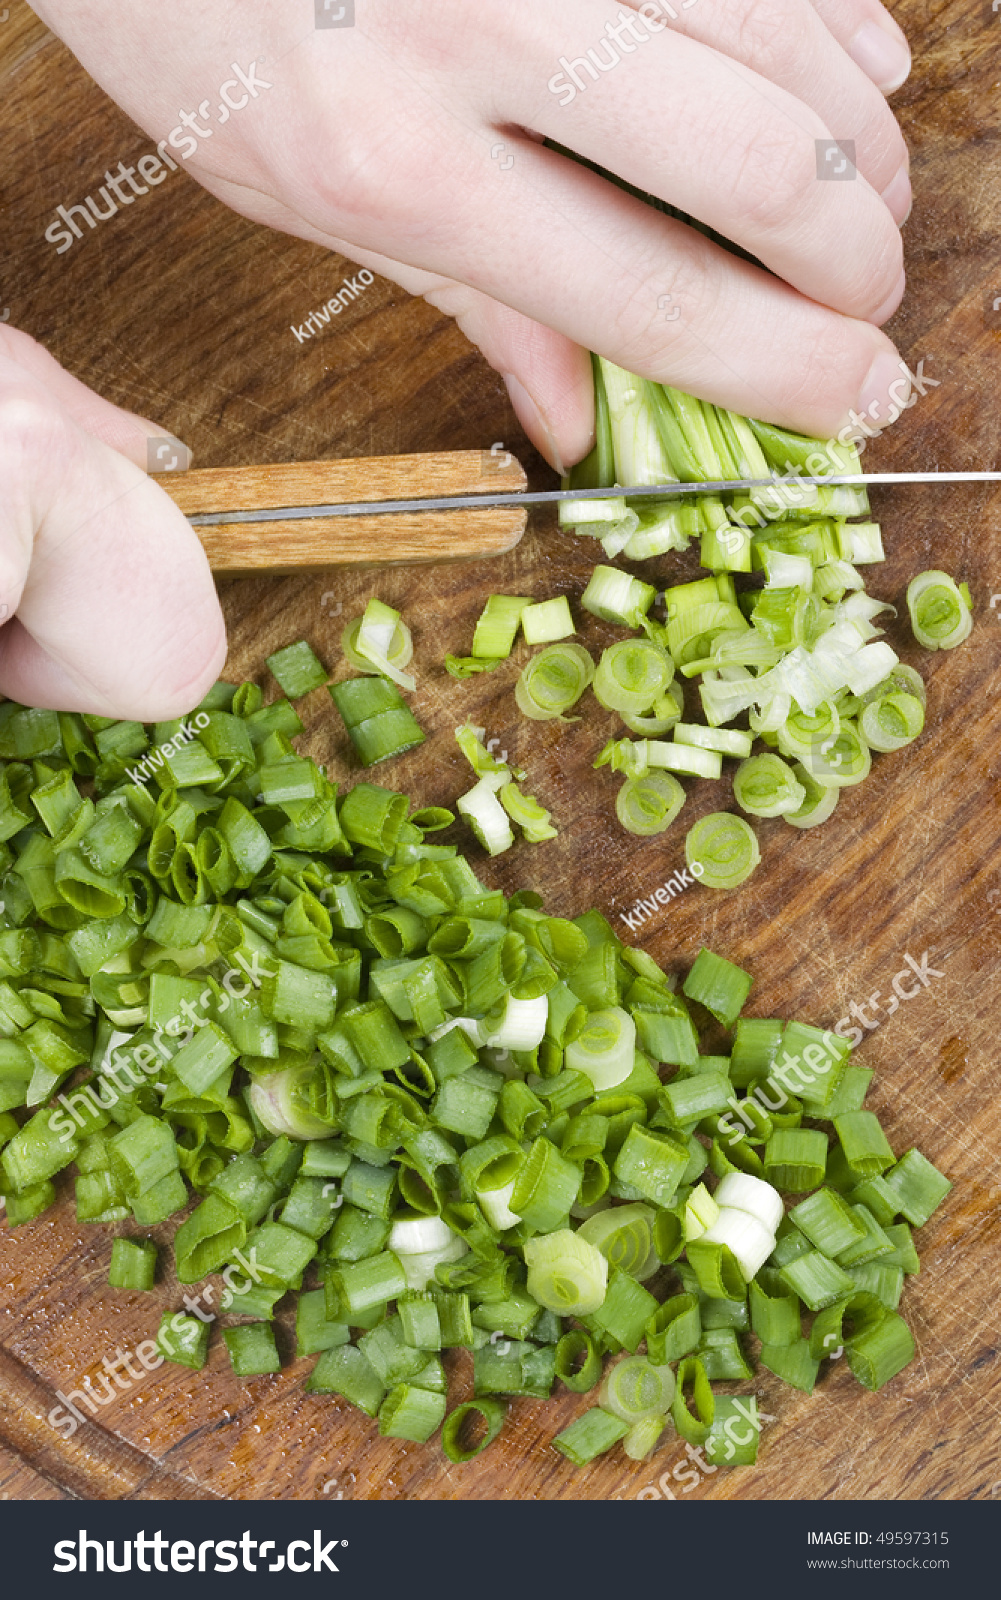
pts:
pixel 521 498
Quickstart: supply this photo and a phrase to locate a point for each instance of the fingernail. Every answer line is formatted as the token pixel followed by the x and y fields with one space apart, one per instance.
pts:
pixel 533 421
pixel 884 56
pixel 897 196
pixel 876 403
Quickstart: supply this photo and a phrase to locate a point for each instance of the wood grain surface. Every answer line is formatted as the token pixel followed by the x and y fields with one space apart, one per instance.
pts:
pixel 182 310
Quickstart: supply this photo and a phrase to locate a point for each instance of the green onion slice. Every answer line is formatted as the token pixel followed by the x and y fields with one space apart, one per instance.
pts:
pixel 649 805
pixel 819 800
pixel 566 1273
pixel 721 850
pixel 490 1412
pixel 498 626
pixel 632 675
pixel 547 621
pixel 636 1391
pixel 892 722
pixel 380 641
pixel 765 787
pixel 605 1048
pixel 940 614
pixel 553 681
pixel 615 596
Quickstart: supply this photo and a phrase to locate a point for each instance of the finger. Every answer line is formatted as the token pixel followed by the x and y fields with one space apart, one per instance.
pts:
pixel 613 273
pixel 116 610
pixel 734 150
pixel 787 42
pixel 120 430
pixel 746 164
pixel 871 37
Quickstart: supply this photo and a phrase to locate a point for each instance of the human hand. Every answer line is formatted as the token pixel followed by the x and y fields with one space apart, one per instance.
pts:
pixel 410 143
pixel 116 612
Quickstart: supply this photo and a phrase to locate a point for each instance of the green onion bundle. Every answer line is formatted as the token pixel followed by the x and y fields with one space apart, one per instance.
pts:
pixel 439 1116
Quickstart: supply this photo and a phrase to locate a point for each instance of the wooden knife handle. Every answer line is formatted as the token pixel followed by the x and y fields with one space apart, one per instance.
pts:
pixel 312 544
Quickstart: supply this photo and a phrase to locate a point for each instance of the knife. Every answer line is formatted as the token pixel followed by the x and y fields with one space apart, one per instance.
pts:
pixel 267 519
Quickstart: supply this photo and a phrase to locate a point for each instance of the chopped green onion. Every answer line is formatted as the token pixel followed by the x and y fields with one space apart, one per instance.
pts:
pixel 796 1159
pixel 546 1187
pixel 553 681
pixel 721 850
pixel 183 1340
pixel 793 1363
pixel 691 760
pixel 297 669
pixel 819 800
pixel 624 1235
pixel 828 1222
pixel 727 741
pixel 718 985
pixel 878 1354
pixel 817 1281
pixel 741 1191
pixel 918 1186
pixel 383 641
pixel 748 1241
pixel 631 675
pixel 590 1435
pixel 940 614
pixel 252 1348
pixel 490 1412
pixel 486 816
pixel 378 720
pixel 548 621
pixel 615 596
pixel 345 1371
pixel 411 1413
pixel 566 1273
pixel 531 817
pixel 498 625
pixel 605 1047
pixel 892 722
pixel 133 1264
pixel 695 1429
pixel 648 805
pixel 637 1391
pixel 765 787
pixel 866 1147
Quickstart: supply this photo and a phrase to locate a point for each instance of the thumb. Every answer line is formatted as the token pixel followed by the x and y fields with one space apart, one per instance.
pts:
pixel 121 430
pixel 117 613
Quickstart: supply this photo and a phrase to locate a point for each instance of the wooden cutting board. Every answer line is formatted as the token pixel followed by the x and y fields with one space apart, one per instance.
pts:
pixel 184 311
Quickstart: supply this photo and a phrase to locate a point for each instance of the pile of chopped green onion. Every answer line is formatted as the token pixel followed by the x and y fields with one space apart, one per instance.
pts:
pixel 797 648
pixel 441 1117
